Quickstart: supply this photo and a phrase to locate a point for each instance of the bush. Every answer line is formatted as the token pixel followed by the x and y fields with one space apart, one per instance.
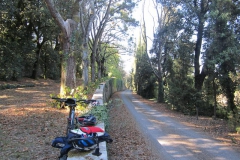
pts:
pixel 222 113
pixel 100 112
pixel 238 129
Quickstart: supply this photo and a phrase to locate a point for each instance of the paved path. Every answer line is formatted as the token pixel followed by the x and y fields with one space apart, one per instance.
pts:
pixel 173 140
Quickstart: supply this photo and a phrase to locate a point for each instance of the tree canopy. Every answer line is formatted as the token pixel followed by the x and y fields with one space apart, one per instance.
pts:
pixel 195 56
pixel 58 39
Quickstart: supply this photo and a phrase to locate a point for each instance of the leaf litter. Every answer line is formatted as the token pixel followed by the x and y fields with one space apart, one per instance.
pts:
pixel 28 125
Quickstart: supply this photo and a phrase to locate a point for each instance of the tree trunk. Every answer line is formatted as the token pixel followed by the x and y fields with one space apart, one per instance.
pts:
pixel 36 65
pixel 35 71
pixel 99 71
pixel 99 63
pixel 97 45
pixel 93 67
pixel 86 29
pixel 71 72
pixel 85 64
pixel 102 68
pixel 197 112
pixel 63 79
pixel 63 67
pixel 45 66
pixel 199 77
pixel 68 68
pixel 160 90
pixel 215 98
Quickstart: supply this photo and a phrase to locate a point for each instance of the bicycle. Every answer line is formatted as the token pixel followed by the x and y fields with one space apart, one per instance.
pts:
pixel 72 103
pixel 86 138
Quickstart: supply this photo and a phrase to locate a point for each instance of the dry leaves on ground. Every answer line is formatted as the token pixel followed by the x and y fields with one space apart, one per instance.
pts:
pixel 28 124
pixel 128 141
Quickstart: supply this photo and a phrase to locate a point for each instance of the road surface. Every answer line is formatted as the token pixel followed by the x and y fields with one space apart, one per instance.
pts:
pixel 171 139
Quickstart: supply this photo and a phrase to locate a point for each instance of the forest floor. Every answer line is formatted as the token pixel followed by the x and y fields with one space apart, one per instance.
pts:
pixel 28 124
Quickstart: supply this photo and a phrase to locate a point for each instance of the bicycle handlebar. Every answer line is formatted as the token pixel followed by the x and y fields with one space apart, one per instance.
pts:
pixel 59 99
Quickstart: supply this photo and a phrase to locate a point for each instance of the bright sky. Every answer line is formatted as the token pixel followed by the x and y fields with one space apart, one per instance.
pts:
pixel 137 14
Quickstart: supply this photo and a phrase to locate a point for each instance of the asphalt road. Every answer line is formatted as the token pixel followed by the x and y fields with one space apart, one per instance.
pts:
pixel 171 139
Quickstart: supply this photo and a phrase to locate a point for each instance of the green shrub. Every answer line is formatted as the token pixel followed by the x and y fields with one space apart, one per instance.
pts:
pixel 222 113
pixel 238 129
pixel 100 112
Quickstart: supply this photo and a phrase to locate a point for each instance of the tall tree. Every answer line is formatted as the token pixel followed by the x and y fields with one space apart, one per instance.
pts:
pixel 68 29
pixel 98 28
pixel 42 27
pixel 164 37
pixel 113 20
pixel 16 40
pixel 200 9
pixel 144 79
pixel 87 16
pixel 223 51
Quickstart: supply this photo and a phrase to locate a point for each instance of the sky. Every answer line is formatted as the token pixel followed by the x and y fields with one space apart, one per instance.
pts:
pixel 137 14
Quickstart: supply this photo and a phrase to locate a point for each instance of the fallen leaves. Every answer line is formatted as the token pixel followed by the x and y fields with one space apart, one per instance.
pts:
pixel 128 142
pixel 28 125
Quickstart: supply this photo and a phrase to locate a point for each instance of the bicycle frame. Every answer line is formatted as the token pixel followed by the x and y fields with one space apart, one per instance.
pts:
pixel 72 103
pixel 71 118
pixel 88 139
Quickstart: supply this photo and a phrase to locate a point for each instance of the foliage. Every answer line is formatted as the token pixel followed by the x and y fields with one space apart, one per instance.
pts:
pixel 222 113
pixel 50 68
pixel 179 88
pixel 224 48
pixel 109 34
pixel 15 39
pixel 83 92
pixel 196 48
pixel 24 25
pixel 113 65
pixel 238 130
pixel 30 43
pixel 181 94
pixel 144 78
pixel 100 112
pixel 233 121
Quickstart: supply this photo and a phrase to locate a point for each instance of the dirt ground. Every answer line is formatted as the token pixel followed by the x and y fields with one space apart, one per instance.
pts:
pixel 28 124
